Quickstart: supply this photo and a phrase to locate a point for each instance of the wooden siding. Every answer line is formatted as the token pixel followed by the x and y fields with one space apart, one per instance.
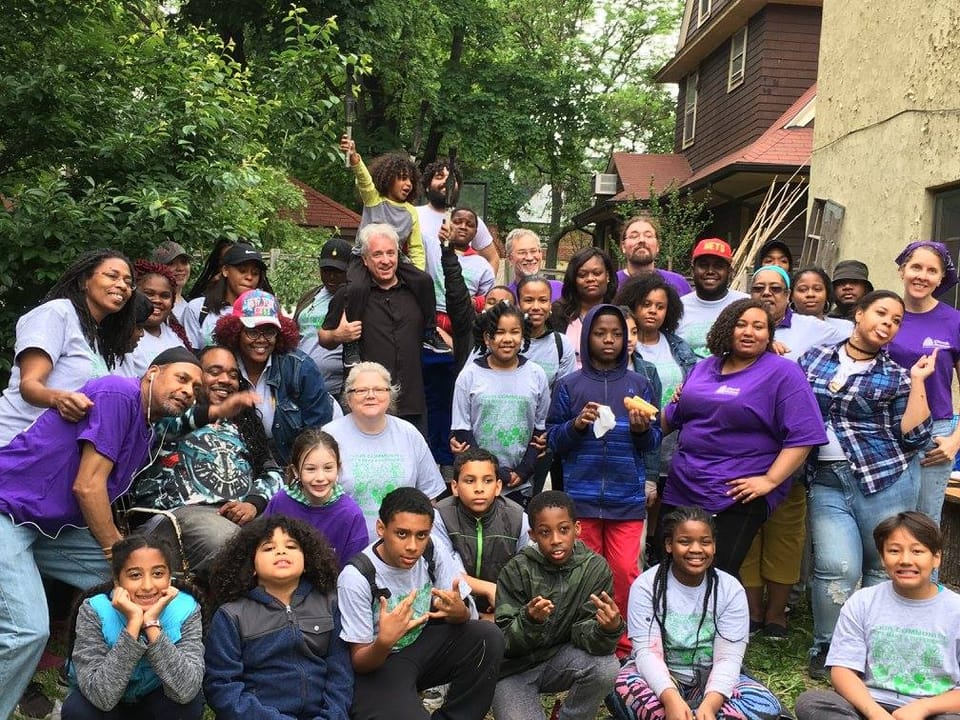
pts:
pixel 782 46
pixel 716 8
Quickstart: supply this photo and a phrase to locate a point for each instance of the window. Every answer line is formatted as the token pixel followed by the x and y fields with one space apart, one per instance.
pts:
pixel 946 229
pixel 738 58
pixel 690 108
pixel 703 11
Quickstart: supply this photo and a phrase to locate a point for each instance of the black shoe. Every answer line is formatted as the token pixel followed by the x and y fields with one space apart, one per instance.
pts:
pixel 33 703
pixel 351 355
pixel 432 342
pixel 817 669
pixel 775 631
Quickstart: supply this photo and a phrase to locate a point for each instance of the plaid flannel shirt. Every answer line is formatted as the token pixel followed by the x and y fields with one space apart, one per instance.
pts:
pixel 865 414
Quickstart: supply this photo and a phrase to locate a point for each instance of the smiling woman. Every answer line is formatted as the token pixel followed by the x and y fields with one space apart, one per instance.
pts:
pixel 82 330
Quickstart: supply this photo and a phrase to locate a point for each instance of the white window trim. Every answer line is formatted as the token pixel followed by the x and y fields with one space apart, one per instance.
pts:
pixel 737 69
pixel 703 11
pixel 690 109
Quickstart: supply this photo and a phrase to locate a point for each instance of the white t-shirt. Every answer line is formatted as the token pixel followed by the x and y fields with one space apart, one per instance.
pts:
pixel 361 620
pixel 201 335
pixel 805 332
pixel 430 221
pixel 179 307
pixel 329 362
pixel 833 451
pixel 267 406
pixel 668 370
pixel 54 328
pixel 904 649
pixel 699 316
pixel 375 464
pixel 543 351
pixel 136 362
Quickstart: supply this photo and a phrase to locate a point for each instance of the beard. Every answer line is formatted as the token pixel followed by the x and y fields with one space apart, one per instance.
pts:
pixel 438 198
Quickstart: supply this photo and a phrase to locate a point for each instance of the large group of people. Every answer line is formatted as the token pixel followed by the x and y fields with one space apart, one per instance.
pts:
pixel 423 489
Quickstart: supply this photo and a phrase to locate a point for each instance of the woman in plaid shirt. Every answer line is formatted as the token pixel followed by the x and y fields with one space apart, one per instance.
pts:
pixel 877 419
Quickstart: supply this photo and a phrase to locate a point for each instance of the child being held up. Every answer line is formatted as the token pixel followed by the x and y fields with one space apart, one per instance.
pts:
pixel 484 528
pixel 386 190
pixel 406 631
pixel 561 625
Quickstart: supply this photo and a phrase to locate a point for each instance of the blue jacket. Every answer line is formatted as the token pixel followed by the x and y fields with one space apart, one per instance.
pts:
pixel 605 476
pixel 682 355
pixel 265 660
pixel 301 398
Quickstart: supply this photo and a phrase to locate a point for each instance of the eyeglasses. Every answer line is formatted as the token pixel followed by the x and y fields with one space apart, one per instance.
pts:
pixel 772 289
pixel 114 276
pixel 267 333
pixel 368 392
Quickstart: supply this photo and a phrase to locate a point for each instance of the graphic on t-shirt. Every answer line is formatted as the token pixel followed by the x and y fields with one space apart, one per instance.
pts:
pixel 696 336
pixel 503 425
pixel 212 464
pixel 685 647
pixel 908 661
pixel 373 477
pixel 421 606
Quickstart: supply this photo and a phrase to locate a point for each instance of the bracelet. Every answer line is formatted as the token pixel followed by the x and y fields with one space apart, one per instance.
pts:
pixel 151 623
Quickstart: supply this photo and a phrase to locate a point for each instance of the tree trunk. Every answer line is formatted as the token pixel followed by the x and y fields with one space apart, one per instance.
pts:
pixel 556 213
pixel 438 124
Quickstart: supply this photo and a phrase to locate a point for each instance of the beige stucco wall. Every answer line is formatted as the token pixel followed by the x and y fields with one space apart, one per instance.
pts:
pixel 887 124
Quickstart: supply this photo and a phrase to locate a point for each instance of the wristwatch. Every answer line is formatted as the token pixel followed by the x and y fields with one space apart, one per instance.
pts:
pixel 151 623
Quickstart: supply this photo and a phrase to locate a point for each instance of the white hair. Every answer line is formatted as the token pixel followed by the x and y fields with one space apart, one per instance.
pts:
pixel 369 232
pixel 517 233
pixel 373 367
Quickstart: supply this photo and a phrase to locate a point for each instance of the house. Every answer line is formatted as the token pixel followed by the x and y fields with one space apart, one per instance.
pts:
pixel 887 141
pixel 746 72
pixel 323 212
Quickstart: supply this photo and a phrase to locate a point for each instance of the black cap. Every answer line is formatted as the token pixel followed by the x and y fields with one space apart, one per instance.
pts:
pixel 178 354
pixel 335 253
pixel 242 253
pixel 852 270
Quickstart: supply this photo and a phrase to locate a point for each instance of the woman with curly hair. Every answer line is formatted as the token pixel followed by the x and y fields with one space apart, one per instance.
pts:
pixel 276 624
pixel 82 330
pixel 160 330
pixel 590 279
pixel 747 419
pixel 292 394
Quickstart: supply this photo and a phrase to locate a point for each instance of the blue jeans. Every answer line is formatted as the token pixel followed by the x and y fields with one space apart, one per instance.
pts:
pixel 842 520
pixel 74 557
pixel 934 478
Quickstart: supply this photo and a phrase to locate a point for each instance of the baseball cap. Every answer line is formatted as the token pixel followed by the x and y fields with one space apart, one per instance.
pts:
pixel 168 251
pixel 257 307
pixel 242 253
pixel 713 246
pixel 335 253
pixel 852 270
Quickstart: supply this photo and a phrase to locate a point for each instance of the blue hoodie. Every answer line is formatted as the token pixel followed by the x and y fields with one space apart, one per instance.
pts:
pixel 605 476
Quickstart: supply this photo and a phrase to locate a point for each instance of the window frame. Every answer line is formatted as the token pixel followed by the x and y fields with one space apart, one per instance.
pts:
pixel 734 82
pixel 690 109
pixel 703 11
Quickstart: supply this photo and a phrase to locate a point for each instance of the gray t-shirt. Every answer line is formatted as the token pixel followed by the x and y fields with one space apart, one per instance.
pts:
pixel 55 329
pixel 330 362
pixel 477 274
pixel 668 370
pixel 430 222
pixel 501 407
pixel 376 464
pixel 136 362
pixel 543 351
pixel 699 316
pixel 361 619
pixel 201 334
pixel 904 649
pixel 805 332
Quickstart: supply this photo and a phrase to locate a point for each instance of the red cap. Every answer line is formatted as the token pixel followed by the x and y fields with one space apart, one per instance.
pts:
pixel 713 246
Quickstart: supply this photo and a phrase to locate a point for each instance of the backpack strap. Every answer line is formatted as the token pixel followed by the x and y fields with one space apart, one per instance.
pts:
pixel 556 339
pixel 364 565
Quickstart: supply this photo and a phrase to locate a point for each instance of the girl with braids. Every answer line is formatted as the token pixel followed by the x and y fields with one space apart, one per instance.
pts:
pixel 500 400
pixel 689 625
pixel 549 349
pixel 315 495
pixel 80 332
pixel 136 648
pixel 277 623
pixel 160 330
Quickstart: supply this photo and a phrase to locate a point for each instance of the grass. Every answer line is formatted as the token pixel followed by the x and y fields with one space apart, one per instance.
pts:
pixel 781 665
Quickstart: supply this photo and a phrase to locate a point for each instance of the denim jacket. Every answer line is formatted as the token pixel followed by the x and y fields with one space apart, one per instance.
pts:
pixel 300 397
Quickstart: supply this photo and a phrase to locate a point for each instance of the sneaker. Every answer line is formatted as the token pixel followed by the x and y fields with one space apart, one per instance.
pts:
pixel 34 704
pixel 755 627
pixel 434 343
pixel 351 355
pixel 817 669
pixel 775 631
pixel 434 698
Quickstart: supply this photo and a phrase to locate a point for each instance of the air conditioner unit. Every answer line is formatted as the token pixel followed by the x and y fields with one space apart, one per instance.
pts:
pixel 605 184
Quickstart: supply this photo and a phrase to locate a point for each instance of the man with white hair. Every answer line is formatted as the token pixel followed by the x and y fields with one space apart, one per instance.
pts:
pixel 525 256
pixel 391 326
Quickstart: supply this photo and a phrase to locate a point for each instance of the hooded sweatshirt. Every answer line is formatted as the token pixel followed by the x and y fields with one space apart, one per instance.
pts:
pixel 604 476
pixel 573 620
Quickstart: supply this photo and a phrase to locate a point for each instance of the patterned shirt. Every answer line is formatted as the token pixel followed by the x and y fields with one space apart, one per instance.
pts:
pixel 865 411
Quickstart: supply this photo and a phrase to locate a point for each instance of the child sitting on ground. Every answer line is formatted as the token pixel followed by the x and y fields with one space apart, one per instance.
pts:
pixel 274 648
pixel 484 528
pixel 136 648
pixel 561 625
pixel 894 650
pixel 405 631
pixel 689 625
pixel 386 190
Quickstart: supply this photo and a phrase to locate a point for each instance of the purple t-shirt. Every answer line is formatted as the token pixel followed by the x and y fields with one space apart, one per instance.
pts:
pixel 735 425
pixel 556 287
pixel 919 334
pixel 676 280
pixel 341 522
pixel 39 466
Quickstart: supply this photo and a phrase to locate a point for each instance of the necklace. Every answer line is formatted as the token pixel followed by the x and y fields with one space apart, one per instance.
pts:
pixel 861 350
